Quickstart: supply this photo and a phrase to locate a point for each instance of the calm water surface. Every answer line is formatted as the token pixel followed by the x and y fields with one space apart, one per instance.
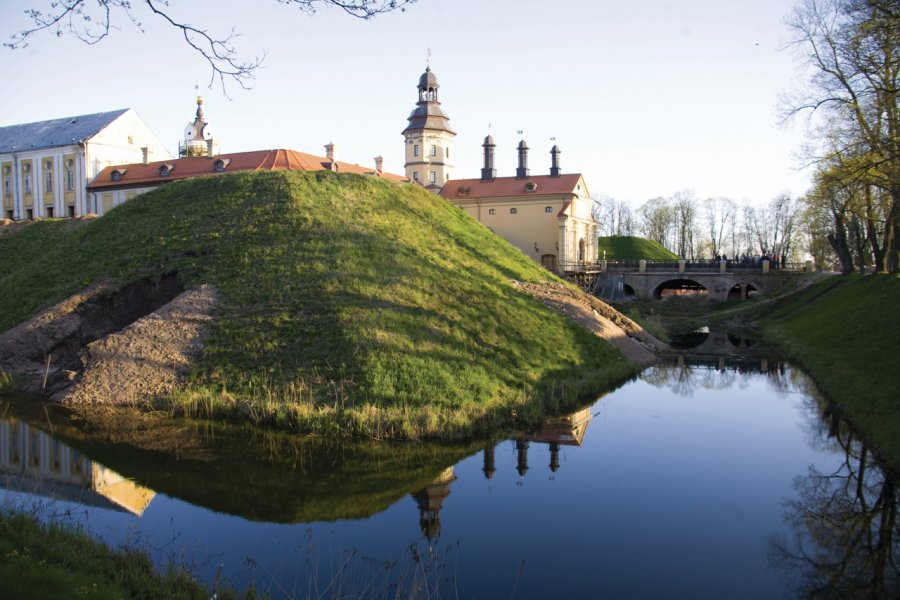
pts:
pixel 718 480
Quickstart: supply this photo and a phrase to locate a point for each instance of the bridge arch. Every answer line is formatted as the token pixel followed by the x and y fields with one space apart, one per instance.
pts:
pixel 742 291
pixel 627 290
pixel 680 287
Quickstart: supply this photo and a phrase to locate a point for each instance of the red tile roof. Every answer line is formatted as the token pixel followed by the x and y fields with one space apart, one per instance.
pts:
pixel 500 187
pixel 142 175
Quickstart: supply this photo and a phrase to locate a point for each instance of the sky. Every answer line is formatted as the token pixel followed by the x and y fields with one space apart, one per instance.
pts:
pixel 644 99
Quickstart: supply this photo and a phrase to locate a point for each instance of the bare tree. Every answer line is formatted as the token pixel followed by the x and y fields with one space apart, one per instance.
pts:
pixel 684 210
pixel 656 219
pixel 721 220
pixel 851 49
pixel 614 216
pixel 92 21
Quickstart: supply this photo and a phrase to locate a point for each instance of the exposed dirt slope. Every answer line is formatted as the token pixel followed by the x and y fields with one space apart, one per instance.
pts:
pixel 146 359
pixel 598 317
pixel 100 346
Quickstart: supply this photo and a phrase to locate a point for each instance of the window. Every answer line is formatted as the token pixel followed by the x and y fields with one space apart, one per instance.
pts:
pixel 130 140
pixel 49 211
pixel 116 175
pixel 7 186
pixel 513 211
pixel 530 186
pixel 415 175
pixel 492 211
pixel 48 182
pixel 164 170
pixel 548 209
pixel 432 176
pixel 447 150
pixel 29 214
pixel 70 210
pixel 70 175
pixel 433 150
pixel 10 214
pixel 26 180
pixel 219 166
pixel 416 150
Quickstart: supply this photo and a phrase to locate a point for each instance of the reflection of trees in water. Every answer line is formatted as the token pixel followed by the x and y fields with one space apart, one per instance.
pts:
pixel 845 527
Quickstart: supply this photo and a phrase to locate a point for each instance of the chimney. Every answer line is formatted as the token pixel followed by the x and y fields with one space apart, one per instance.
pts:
pixel 488 173
pixel 145 154
pixel 522 171
pixel 329 151
pixel 554 161
pixel 379 162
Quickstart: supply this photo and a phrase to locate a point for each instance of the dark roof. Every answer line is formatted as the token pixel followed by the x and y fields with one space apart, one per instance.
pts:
pixel 140 175
pixel 428 80
pixel 55 132
pixel 428 115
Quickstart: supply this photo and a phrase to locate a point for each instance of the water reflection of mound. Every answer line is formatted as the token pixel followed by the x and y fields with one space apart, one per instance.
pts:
pixel 692 339
pixel 263 475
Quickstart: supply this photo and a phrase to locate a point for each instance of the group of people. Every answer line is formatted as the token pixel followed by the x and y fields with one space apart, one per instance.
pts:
pixel 775 261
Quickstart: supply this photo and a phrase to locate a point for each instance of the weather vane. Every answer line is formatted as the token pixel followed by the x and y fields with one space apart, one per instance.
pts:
pixel 428 58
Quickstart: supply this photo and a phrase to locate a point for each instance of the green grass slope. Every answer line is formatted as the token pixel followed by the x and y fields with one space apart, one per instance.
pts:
pixel 845 331
pixel 348 304
pixel 626 247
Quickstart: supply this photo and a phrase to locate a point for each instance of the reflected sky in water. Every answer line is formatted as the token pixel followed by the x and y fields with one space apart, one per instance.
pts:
pixel 674 485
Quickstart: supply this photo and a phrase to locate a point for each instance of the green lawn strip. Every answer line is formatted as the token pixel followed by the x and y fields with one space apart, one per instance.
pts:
pixel 845 332
pixel 627 247
pixel 349 305
pixel 51 561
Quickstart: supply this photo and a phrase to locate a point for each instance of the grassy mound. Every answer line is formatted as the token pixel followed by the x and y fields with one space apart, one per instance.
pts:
pixel 844 331
pixel 349 305
pixel 626 247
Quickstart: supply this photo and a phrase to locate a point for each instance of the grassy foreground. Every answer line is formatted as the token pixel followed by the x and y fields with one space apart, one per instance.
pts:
pixel 845 332
pixel 349 305
pixel 50 561
pixel 626 247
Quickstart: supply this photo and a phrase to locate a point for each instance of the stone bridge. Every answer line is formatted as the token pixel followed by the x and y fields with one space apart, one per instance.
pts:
pixel 736 285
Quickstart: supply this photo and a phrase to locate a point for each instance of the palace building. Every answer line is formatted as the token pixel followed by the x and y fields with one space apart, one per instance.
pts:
pixel 548 217
pixel 45 166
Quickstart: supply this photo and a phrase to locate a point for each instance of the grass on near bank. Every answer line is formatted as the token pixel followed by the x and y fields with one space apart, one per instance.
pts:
pixel 40 561
pixel 846 332
pixel 627 247
pixel 349 305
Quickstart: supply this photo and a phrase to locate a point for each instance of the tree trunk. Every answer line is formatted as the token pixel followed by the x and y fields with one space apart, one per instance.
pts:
pixel 838 241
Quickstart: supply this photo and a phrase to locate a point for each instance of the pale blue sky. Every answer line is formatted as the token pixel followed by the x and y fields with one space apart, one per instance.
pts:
pixel 644 98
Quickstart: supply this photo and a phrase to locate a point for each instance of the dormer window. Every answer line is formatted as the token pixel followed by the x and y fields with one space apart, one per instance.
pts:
pixel 220 164
pixel 116 174
pixel 166 170
pixel 463 190
pixel 530 186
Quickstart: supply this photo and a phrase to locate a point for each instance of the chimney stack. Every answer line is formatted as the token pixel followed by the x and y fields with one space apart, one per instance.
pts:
pixel 379 162
pixel 488 172
pixel 522 171
pixel 329 151
pixel 554 161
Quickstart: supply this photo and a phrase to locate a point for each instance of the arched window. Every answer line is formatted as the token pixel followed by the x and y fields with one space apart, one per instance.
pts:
pixel 513 211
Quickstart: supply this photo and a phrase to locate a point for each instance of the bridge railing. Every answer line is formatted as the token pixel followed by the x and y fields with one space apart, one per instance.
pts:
pixel 673 266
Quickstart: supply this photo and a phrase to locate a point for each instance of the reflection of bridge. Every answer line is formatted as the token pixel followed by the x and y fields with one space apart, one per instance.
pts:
pixel 717 280
pixel 34 462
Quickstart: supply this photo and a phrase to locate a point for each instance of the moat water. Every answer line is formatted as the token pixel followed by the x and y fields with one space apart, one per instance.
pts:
pixel 703 478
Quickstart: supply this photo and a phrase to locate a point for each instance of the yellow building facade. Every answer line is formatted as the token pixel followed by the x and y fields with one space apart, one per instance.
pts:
pixel 548 217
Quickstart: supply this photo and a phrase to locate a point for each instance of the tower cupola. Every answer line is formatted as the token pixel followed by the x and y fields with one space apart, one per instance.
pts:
pixel 428 137
pixel 198 136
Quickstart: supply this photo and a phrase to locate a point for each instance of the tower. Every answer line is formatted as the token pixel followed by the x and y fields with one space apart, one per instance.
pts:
pixel 198 137
pixel 428 137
